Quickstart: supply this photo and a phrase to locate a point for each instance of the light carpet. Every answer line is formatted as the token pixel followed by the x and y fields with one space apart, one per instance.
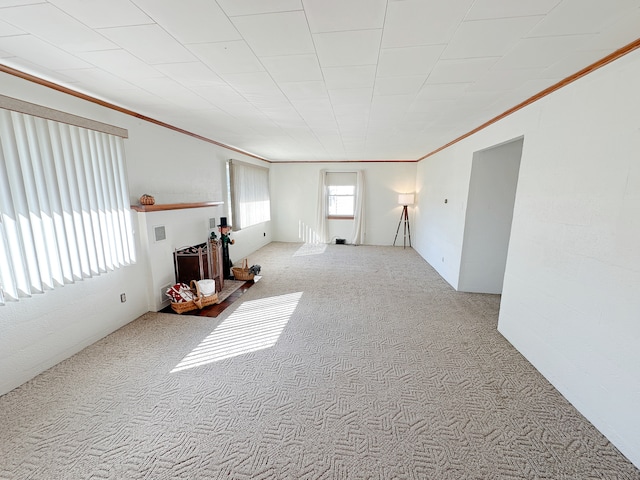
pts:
pixel 341 363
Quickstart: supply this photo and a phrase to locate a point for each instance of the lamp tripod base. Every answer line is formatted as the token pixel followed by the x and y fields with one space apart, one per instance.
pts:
pixel 404 217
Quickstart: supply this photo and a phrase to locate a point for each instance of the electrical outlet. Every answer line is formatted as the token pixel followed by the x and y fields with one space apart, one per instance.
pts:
pixel 123 297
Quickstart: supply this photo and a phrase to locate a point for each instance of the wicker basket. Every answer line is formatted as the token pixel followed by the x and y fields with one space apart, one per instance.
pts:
pixel 198 303
pixel 183 307
pixel 203 301
pixel 242 273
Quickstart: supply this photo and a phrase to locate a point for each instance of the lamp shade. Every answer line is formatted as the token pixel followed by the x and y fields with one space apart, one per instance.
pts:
pixel 406 198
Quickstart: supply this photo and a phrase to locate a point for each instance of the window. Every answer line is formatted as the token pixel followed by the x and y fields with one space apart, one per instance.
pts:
pixel 341 200
pixel 64 204
pixel 249 192
pixel 341 194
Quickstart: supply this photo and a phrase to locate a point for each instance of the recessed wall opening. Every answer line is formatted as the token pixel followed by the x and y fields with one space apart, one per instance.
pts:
pixel 490 203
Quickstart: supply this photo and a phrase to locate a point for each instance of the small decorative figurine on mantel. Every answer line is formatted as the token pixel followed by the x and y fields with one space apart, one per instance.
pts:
pixel 147 199
pixel 225 232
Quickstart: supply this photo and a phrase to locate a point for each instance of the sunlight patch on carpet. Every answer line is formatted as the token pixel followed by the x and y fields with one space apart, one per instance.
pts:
pixel 255 325
pixel 310 249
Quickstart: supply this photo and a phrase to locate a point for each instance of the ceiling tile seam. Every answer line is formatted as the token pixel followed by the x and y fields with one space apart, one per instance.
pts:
pixel 260 14
pixel 71 17
pixel 555 7
pixel 375 75
pixel 152 22
pixel 566 35
pixel 153 65
pixel 55 47
pixel 13 6
pixel 271 77
pixel 324 81
pixel 515 45
pixel 25 34
pixel 161 75
pixel 28 34
pixel 98 50
pixel 466 58
pixel 442 52
pixel 324 32
pixel 467 12
pixel 155 21
pixel 345 31
pixel 224 80
pixel 112 106
pixel 504 18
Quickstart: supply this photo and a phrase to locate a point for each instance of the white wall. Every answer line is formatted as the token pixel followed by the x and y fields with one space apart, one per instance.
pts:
pixel 36 333
pixel 439 226
pixel 570 302
pixel 487 226
pixel 295 198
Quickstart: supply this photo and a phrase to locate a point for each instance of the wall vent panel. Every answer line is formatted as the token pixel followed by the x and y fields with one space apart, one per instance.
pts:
pixel 159 233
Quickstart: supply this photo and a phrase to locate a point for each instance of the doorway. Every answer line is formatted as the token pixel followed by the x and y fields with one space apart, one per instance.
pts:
pixel 492 194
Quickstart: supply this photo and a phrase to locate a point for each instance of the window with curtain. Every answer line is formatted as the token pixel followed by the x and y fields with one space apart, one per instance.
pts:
pixel 249 192
pixel 356 205
pixel 341 194
pixel 64 204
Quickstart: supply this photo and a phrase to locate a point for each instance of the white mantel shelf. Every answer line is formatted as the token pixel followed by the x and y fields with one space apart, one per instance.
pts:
pixel 173 206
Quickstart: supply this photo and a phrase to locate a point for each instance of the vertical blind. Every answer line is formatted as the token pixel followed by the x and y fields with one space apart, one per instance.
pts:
pixel 250 200
pixel 64 205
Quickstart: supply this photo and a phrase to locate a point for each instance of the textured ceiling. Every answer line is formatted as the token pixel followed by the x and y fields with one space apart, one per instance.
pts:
pixel 315 79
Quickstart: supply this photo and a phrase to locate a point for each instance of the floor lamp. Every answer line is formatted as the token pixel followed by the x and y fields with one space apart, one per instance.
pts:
pixel 404 199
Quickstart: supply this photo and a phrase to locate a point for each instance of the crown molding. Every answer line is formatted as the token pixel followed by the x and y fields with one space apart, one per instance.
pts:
pixel 344 161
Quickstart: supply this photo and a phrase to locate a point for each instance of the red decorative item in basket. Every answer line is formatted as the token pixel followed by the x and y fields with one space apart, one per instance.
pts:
pixel 185 299
pixel 180 293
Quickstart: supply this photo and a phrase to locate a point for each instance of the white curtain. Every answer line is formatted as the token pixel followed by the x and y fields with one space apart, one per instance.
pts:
pixel 357 235
pixel 322 229
pixel 250 200
pixel 64 205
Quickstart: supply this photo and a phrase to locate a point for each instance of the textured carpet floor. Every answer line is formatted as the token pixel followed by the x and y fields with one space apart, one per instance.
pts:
pixel 344 363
